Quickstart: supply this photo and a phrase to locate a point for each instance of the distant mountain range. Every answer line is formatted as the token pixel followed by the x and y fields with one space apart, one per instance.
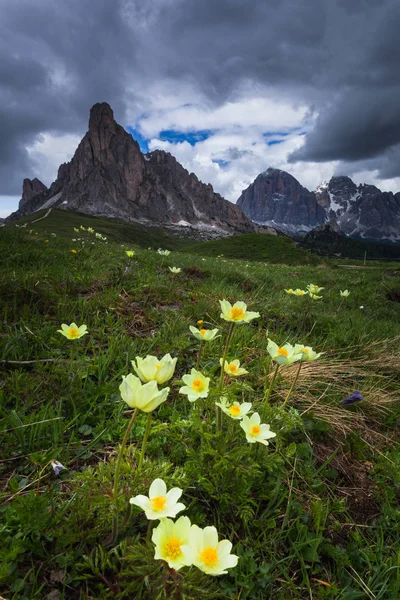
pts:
pixel 109 176
pixel 277 199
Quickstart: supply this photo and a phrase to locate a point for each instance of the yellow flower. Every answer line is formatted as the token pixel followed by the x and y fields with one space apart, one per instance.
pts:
pixel 307 353
pixel 90 230
pixel 83 228
pixel 205 335
pixel 299 292
pixel 313 288
pixel 150 368
pixel 200 322
pixel 255 431
pixel 144 397
pixel 175 269
pixel 210 555
pixel 289 291
pixel 233 368
pixel 76 230
pixel 235 411
pixel 283 355
pixel 315 297
pixel 73 251
pixel 160 503
pixel 196 385
pixel 237 313
pixel 345 293
pixel 73 332
pixel 172 542
pixel 163 252
pixel 46 241
pixel 130 253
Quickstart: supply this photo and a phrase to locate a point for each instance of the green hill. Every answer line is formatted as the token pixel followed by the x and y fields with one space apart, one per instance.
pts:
pixel 257 247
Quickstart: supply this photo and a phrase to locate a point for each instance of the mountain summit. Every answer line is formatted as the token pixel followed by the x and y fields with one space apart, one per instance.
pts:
pixel 277 199
pixel 109 176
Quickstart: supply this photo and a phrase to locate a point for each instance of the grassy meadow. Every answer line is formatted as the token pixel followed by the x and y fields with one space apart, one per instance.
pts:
pixel 313 515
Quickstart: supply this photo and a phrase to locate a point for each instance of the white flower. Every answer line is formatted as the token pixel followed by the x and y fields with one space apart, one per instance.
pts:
pixel 196 385
pixel 159 504
pixel 345 293
pixel 144 397
pixel 307 353
pixel 255 431
pixel 163 252
pixel 169 538
pixel 210 555
pixel 175 270
pixel 235 411
pixel 205 335
pixel 233 368
pixel 283 355
pixel 150 368
pixel 237 313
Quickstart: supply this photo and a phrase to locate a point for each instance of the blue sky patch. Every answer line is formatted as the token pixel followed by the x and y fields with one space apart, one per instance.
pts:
pixel 143 142
pixel 192 137
pixel 220 162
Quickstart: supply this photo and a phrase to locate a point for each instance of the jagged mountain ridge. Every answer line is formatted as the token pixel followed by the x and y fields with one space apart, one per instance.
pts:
pixel 277 199
pixel 109 176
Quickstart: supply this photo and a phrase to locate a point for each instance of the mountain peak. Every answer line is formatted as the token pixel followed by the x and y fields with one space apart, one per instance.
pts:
pixel 100 112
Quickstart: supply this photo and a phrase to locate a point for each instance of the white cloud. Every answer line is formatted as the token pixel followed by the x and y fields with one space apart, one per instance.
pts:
pixel 49 152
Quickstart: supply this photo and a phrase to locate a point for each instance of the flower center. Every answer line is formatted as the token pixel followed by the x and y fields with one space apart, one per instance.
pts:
pixel 202 331
pixel 209 556
pixel 232 368
pixel 173 547
pixel 255 430
pixel 283 352
pixel 237 314
pixel 73 332
pixel 158 502
pixel 305 350
pixel 158 367
pixel 198 385
pixel 234 410
pixel 290 291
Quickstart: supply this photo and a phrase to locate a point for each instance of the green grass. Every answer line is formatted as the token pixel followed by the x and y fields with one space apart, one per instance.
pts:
pixel 314 515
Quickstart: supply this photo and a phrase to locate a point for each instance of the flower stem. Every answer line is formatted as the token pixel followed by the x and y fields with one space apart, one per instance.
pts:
pixel 146 435
pixel 121 451
pixel 114 532
pixel 199 355
pixel 221 379
pixel 293 384
pixel 271 385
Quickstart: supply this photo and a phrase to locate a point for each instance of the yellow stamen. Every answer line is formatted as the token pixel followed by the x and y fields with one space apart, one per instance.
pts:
pixel 158 502
pixel 237 314
pixel 232 368
pixel 283 352
pixel 73 332
pixel 198 385
pixel 305 350
pixel 255 430
pixel 158 367
pixel 173 547
pixel 209 556
pixel 234 410
pixel 202 331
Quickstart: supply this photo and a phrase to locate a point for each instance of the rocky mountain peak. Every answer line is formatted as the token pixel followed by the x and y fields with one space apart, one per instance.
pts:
pixel 109 176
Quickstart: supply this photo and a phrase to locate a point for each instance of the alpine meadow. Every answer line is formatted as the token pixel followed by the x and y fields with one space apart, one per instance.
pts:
pixel 195 420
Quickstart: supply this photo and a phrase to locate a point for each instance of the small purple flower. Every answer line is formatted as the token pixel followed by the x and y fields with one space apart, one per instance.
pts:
pixel 57 466
pixel 354 397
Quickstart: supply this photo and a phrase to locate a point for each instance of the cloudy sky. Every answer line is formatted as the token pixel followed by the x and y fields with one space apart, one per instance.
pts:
pixel 230 87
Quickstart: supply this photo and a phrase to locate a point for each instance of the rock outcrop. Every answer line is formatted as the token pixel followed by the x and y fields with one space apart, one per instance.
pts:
pixel 31 188
pixel 109 176
pixel 277 199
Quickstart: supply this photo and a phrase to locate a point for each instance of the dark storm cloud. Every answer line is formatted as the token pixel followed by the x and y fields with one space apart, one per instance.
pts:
pixel 56 60
pixel 339 57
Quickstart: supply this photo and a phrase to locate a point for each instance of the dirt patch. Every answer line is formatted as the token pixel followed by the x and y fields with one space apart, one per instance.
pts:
pixel 393 295
pixel 195 273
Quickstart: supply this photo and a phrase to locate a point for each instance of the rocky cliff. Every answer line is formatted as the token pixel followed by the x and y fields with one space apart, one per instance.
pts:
pixel 364 212
pixel 109 176
pixel 31 188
